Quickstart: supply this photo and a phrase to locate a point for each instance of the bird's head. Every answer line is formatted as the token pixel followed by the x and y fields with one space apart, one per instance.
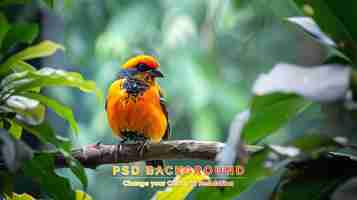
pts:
pixel 142 67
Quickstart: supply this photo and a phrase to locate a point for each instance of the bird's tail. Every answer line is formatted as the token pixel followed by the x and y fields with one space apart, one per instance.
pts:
pixel 155 163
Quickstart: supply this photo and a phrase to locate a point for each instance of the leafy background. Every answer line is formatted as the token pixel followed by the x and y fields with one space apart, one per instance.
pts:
pixel 213 54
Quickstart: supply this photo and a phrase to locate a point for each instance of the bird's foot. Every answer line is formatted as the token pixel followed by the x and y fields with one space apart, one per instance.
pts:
pixel 98 143
pixel 142 147
pixel 120 144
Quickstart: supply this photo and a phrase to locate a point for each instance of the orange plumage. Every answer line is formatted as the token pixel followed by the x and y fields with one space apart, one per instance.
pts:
pixel 142 114
pixel 135 103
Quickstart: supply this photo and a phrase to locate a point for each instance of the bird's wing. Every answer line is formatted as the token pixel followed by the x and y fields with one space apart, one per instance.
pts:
pixel 120 78
pixel 164 109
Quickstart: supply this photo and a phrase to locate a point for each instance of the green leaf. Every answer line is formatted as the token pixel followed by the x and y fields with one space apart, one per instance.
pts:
pixel 80 195
pixel 310 28
pixel 15 129
pixel 45 77
pixel 15 151
pixel 254 171
pixel 61 110
pixel 20 197
pixel 78 170
pixel 64 148
pixel 20 66
pixel 346 191
pixel 28 110
pixel 333 17
pixel 7 180
pixel 315 178
pixel 20 33
pixel 47 135
pixel 270 112
pixel 4 27
pixel 337 20
pixel 262 189
pixel 11 2
pixel 43 49
pixel 75 166
pixel 41 168
pixel 310 143
pixel 336 56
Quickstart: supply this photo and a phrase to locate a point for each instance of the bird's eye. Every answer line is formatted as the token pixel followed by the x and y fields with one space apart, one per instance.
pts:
pixel 142 67
pixel 147 78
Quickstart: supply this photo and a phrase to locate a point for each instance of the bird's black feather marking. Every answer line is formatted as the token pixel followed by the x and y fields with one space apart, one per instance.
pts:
pixel 164 109
pixel 156 163
pixel 135 87
pixel 128 73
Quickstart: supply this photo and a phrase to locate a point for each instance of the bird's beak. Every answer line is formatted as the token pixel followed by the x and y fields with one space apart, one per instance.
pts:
pixel 155 73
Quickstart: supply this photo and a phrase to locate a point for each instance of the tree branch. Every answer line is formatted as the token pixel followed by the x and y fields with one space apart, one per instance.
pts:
pixel 94 155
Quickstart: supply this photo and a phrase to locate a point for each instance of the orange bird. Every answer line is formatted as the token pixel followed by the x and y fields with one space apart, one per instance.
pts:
pixel 135 105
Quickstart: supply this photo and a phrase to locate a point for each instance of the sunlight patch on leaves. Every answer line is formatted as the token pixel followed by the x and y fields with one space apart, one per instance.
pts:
pixel 15 129
pixel 80 195
pixel 19 197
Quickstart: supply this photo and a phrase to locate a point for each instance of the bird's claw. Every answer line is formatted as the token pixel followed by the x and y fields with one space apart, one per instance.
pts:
pixel 142 147
pixel 120 144
pixel 98 143
pixel 119 147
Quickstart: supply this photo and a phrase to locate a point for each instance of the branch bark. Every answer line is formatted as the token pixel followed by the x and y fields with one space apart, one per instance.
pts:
pixel 94 155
